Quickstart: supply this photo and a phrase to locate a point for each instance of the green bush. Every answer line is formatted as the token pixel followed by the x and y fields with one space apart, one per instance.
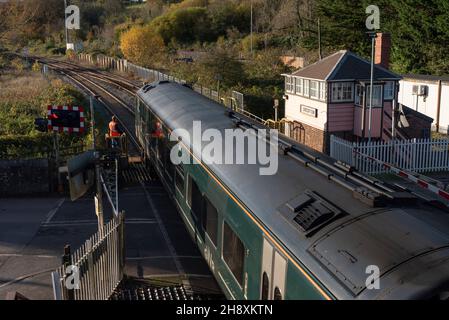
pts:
pixel 18 64
pixel 3 61
pixel 184 26
pixel 36 67
pixel 24 146
pixel 25 98
pixel 258 43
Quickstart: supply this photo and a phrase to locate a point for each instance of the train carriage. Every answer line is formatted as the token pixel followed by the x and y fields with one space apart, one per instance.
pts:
pixel 313 230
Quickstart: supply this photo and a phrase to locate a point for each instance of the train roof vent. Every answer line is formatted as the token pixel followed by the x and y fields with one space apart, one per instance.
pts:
pixel 147 88
pixel 309 212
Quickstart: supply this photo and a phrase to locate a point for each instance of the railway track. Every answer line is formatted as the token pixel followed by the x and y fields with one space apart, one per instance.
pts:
pixel 125 84
pixel 95 83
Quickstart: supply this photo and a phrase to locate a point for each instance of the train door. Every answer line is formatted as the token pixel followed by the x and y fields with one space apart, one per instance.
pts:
pixel 274 271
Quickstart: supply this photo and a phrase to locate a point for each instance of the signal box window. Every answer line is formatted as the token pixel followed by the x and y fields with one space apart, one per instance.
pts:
pixel 210 220
pixel 233 253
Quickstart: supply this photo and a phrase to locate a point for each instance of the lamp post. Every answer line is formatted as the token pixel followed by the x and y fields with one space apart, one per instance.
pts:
pixel 373 36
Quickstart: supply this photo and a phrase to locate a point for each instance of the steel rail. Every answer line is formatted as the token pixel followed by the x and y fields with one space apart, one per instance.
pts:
pixel 100 99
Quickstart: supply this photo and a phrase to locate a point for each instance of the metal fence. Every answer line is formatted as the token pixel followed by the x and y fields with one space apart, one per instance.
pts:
pixel 417 155
pixel 234 99
pixel 95 270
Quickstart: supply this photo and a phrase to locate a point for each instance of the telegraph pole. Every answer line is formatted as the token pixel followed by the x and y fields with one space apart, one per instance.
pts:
pixel 319 40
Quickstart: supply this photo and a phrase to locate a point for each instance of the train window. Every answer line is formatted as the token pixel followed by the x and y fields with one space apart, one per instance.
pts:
pixel 161 151
pixel 210 220
pixel 189 191
pixel 180 179
pixel 169 166
pixel 277 294
pixel 233 253
pixel 265 287
pixel 195 199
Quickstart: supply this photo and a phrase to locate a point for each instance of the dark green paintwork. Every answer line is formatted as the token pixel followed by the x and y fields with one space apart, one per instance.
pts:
pixel 297 285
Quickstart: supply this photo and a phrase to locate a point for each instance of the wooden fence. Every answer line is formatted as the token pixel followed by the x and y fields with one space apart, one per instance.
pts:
pixel 417 155
pixel 95 270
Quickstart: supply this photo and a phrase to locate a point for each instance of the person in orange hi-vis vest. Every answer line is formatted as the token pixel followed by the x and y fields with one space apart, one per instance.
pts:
pixel 158 132
pixel 114 132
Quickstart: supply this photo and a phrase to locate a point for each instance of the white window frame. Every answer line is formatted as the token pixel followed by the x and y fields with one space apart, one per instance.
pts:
pixel 389 90
pixel 306 88
pixel 358 95
pixel 314 89
pixel 289 83
pixel 339 89
pixel 377 99
pixel 322 91
pixel 299 86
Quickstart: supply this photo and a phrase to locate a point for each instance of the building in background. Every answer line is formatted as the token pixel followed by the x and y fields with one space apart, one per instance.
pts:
pixel 332 97
pixel 428 95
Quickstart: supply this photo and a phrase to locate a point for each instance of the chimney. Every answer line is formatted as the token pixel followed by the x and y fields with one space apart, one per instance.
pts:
pixel 383 49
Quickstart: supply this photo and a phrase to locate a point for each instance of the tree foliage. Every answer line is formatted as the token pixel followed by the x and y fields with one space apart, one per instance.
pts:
pixel 142 45
pixel 421 36
pixel 184 26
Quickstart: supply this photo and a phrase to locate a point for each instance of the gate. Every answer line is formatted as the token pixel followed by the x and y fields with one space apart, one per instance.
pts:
pixel 417 155
pixel 95 270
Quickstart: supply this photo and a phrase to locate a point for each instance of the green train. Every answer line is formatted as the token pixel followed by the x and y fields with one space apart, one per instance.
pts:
pixel 314 230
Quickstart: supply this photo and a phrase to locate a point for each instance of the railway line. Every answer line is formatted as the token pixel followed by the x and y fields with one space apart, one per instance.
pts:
pixel 191 271
pixel 88 80
pixel 302 223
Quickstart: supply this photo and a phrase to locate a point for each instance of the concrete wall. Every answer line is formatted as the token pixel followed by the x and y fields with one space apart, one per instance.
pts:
pixel 427 105
pixel 22 177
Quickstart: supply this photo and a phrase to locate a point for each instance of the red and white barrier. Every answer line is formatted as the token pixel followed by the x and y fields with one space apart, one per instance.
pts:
pixel 407 175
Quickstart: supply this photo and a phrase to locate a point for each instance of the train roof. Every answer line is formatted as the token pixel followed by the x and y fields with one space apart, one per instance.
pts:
pixel 409 244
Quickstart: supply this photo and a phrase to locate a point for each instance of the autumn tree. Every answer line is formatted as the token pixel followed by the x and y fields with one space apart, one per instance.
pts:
pixel 221 66
pixel 143 46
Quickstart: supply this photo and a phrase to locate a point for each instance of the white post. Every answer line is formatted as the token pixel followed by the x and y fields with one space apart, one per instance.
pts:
pixel 373 35
pixel 99 195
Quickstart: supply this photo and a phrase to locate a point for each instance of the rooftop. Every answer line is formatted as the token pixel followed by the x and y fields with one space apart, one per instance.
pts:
pixel 344 65
pixel 425 77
